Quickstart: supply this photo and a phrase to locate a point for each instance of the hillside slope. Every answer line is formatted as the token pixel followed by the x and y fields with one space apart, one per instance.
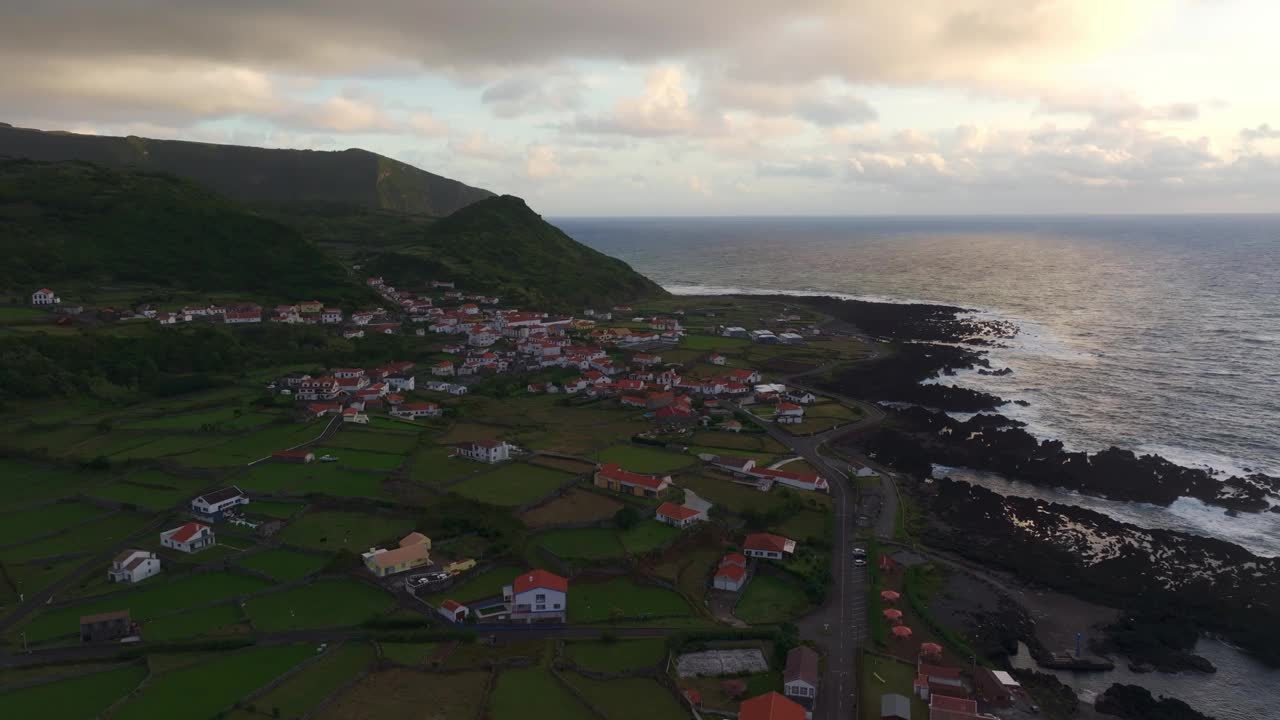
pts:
pixel 258 175
pixel 75 223
pixel 501 246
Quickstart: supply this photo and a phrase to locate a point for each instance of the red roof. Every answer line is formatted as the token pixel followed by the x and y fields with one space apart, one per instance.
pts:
pixel 291 453
pixel 786 407
pixel 673 411
pixel 417 406
pixel 770 706
pixel 945 707
pixel 734 559
pixel 676 512
pixel 733 572
pixel 766 542
pixel 615 472
pixel 741 374
pixel 939 671
pixel 452 606
pixel 540 579
pixel 187 532
pixel 694 696
pixel 801 477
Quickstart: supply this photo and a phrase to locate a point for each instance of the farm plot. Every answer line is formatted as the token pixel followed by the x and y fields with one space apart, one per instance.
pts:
pixel 33 577
pixel 400 694
pixel 435 465
pixel 621 656
pixel 222 418
pixel 80 539
pixel 630 698
pixel 395 443
pixel 205 689
pixel 582 544
pixel 712 342
pixel 150 497
pixel 769 600
pixel 218 620
pixel 254 446
pixel 412 654
pixel 752 442
pixel 361 459
pixel 16 527
pixel 512 484
pixel 646 536
pixel 28 484
pixel 74 699
pixel 336 530
pixel 284 565
pixel 734 497
pixel 146 603
pixel 644 460
pixel 533 692
pixel 280 510
pixel 623 598
pixel 166 445
pixel 575 506
pixel 321 604
pixel 301 692
pixel 324 478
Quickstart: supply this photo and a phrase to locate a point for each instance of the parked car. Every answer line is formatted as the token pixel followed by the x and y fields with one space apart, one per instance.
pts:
pixel 328 458
pixel 859 562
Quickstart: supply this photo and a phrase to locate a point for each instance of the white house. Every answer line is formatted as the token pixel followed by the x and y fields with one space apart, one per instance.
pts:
pixel 677 515
pixel 330 316
pixel 133 566
pixel 45 296
pixel 416 410
pixel 454 611
pixel 768 546
pixel 537 596
pixel 400 383
pixel 789 413
pixel 189 538
pixel 800 678
pixel 213 507
pixel 444 368
pixel 487 451
pixel 731 573
pixel 353 415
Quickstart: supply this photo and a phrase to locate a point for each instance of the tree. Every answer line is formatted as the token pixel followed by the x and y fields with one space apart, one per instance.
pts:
pixel 626 518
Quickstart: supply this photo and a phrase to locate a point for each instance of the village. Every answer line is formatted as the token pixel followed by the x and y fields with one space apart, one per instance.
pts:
pixel 640 478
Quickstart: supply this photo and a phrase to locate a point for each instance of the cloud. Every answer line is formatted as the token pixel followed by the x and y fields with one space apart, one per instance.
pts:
pixel 813 169
pixel 535 92
pixel 821 103
pixel 662 109
pixel 698 186
pixel 479 146
pixel 541 163
pixel 1262 132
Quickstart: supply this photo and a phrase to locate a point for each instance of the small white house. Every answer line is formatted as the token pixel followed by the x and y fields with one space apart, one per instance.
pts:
pixel 537 596
pixel 412 411
pixel 731 574
pixel 454 611
pixel 677 516
pixel 486 451
pixel 133 566
pixel 190 538
pixel 213 507
pixel 768 546
pixel 45 296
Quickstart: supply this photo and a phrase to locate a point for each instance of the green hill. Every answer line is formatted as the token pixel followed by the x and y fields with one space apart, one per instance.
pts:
pixel 83 225
pixel 500 246
pixel 258 175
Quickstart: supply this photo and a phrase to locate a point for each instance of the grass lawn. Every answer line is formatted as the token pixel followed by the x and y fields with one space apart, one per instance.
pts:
pixel 898 679
pixel 225 418
pixel 321 604
pixel 305 689
pixel 217 620
pixel 325 478
pixel 620 656
pixel 412 654
pixel 16 315
pixel 584 543
pixel 166 445
pixel 283 564
pixel 401 694
pixel 18 526
pixel 734 497
pixel 646 535
pixel 621 597
pixel 204 689
pixel 361 459
pixel 26 484
pixel 479 585
pixel 751 442
pixel 630 698
pixel 768 600
pixel 146 603
pixel 512 484
pixel 254 446
pixel 433 465
pixel 644 460
pixel 150 497
pixel 805 525
pixel 335 530
pixel 33 577
pixel 80 539
pixel 533 693
pixel 713 342
pixel 574 506
pixel 395 443
pixel 761 458
pixel 280 510
pixel 74 699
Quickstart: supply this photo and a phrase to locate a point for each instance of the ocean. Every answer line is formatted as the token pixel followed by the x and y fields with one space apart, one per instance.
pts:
pixel 1155 334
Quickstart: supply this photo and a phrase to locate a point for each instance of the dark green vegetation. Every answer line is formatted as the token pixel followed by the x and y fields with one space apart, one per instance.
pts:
pixel 73 222
pixel 499 245
pixel 73 699
pixel 348 177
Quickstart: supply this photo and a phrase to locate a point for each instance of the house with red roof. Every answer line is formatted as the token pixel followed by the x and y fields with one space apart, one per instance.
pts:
pixel 486 451
pixel 789 413
pixel 537 596
pixel 745 376
pixel 800 481
pixel 454 611
pixel 800 678
pixel 716 359
pixel 413 411
pixel 190 538
pixel 414 551
pixel 678 516
pixel 615 478
pixel 943 707
pixel 938 680
pixel 770 706
pixel 731 574
pixel 45 296
pixel 243 313
pixel 646 359
pixel 297 456
pixel 632 401
pixel 768 546
pixel 444 368
pixel 322 409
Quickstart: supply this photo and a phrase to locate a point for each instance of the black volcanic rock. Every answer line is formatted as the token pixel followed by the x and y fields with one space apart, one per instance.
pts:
pixel 1137 703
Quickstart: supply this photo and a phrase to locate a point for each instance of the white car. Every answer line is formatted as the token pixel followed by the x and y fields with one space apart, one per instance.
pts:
pixel 859 562
pixel 328 458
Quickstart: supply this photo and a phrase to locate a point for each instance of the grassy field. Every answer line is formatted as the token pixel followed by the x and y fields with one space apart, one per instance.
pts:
pixel 400 694
pixel 217 620
pixel 897 679
pixel 540 423
pixel 204 689
pixel 805 525
pixel 406 653
pixel 19 315
pixel 335 530
pixel 761 458
pixel 644 460
pixel 283 564
pixel 74 699
pixel 256 445
pixel 80 539
pixel 26 484
pixel 149 497
pixel 321 604
pixel 713 695
pixel 630 698
pixel 585 543
pixel 621 656
pixel 34 577
pixel 752 442
pixel 621 597
pixel 768 600
pixel 224 418
pixel 645 536
pixel 332 479
pixel 434 465
pixel 533 693
pixel 573 507
pixel 305 689
pixel 281 510
pixel 147 602
pixel 168 445
pixel 362 459
pixel 395 443
pixel 512 484
pixel 16 527
pixel 479 585
pixel 713 342
pixel 734 497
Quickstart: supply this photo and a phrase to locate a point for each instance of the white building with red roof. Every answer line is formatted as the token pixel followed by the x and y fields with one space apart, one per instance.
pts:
pixel 416 410
pixel 45 296
pixel 615 478
pixel 731 574
pixel 486 451
pixel 189 538
pixel 444 368
pixel 800 481
pixel 454 611
pixel 537 596
pixel 331 316
pixel 768 546
pixel 678 516
pixel 789 413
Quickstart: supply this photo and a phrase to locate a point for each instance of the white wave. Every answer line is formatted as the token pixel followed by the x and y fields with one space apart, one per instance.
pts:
pixel 1207 461
pixel 733 290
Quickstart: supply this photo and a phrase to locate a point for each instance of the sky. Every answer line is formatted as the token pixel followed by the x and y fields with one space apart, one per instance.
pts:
pixel 697 107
